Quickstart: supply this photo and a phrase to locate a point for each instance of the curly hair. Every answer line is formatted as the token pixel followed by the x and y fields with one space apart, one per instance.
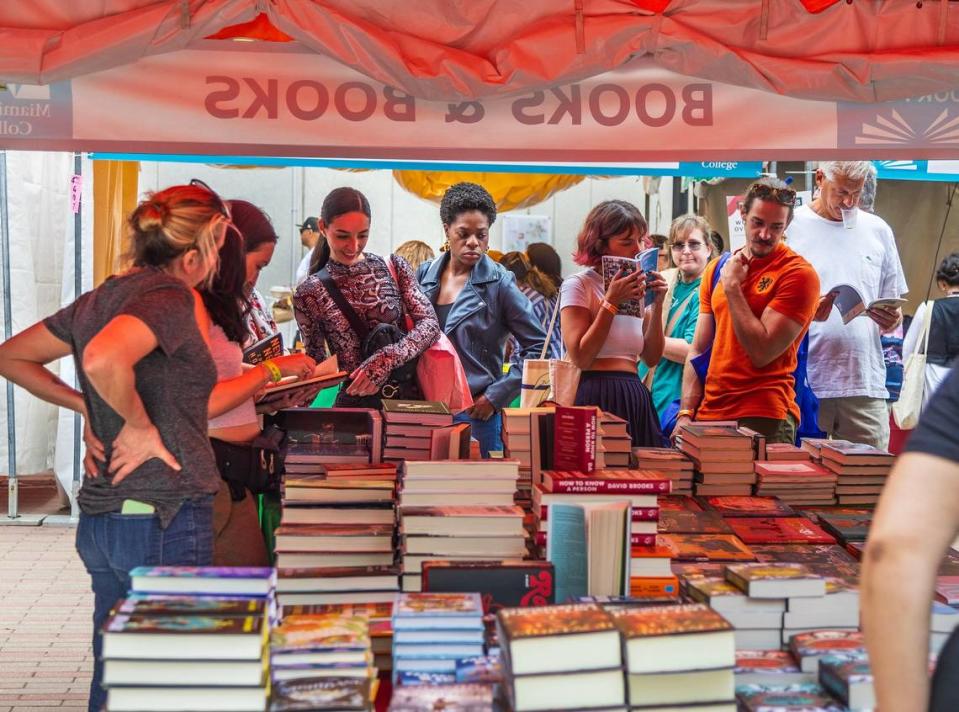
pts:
pixel 463 198
pixel 948 271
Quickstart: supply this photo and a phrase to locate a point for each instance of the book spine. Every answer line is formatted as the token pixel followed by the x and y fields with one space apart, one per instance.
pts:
pixel 654 587
pixel 591 486
pixel 635 539
pixel 639 514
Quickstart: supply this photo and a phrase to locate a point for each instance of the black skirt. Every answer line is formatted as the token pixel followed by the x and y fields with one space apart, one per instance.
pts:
pixel 623 394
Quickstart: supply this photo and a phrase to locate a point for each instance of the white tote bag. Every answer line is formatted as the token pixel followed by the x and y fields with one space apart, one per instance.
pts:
pixel 906 410
pixel 549 378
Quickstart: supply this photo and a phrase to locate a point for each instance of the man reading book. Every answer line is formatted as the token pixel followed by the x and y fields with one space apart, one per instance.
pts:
pixel 753 317
pixel 914 526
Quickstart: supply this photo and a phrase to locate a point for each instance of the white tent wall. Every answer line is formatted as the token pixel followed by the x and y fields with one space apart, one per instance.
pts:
pixel 288 195
pixel 40 218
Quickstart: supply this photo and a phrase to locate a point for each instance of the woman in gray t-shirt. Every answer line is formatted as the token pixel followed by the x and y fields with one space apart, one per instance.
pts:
pixel 145 376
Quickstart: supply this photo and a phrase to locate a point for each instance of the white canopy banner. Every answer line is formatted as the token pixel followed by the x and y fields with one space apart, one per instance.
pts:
pixel 280 102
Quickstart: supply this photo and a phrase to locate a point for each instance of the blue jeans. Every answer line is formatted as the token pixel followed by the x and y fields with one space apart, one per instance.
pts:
pixel 489 433
pixel 113 544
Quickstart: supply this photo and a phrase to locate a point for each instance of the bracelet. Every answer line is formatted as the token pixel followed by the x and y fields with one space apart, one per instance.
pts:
pixel 686 411
pixel 272 371
pixel 610 307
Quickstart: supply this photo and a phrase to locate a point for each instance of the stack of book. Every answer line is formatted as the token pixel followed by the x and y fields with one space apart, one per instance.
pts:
pixel 838 609
pixel 814 447
pixel 329 646
pixel 757 621
pixel 582 500
pixel 669 462
pixel 458 510
pixel 809 648
pixel 324 493
pixel 678 656
pixel 784 452
pixel 561 657
pixel 861 469
pixel 431 631
pixel 723 458
pixel 458 533
pixel 847 525
pixel 518 443
pixel 796 482
pixel 613 443
pixel 410 427
pixel 379 617
pixel 191 638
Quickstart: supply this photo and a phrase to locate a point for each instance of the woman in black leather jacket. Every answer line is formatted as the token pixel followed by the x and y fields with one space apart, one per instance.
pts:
pixel 479 306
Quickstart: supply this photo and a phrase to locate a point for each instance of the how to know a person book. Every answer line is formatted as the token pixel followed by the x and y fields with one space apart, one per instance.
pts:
pixel 605 482
pixel 850 302
pixel 574 441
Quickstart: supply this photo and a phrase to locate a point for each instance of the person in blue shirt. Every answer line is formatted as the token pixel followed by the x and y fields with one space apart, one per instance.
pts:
pixel 479 306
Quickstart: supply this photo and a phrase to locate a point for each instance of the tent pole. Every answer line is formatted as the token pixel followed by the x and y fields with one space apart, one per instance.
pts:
pixel 77 290
pixel 13 490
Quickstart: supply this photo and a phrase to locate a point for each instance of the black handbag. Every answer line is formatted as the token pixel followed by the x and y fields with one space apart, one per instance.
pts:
pixel 401 382
pixel 257 467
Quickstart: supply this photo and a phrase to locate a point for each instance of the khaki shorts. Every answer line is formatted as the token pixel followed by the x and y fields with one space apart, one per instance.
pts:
pixel 858 419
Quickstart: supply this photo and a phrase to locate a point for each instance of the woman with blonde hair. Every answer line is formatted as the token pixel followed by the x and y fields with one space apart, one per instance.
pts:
pixel 145 376
pixel 690 251
pixel 416 252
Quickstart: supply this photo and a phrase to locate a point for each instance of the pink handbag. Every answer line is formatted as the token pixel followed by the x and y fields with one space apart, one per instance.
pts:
pixel 439 370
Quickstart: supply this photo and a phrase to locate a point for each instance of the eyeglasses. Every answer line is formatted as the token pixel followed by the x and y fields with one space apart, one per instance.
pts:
pixel 693 245
pixel 783 196
pixel 221 205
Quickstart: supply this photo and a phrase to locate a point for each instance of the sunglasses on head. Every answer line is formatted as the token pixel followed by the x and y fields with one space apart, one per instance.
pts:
pixel 783 196
pixel 221 205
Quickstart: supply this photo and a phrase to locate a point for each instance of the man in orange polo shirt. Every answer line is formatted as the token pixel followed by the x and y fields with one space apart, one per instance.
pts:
pixel 755 319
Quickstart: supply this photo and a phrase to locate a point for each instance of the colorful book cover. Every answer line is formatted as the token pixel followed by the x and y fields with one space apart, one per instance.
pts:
pixel 371 611
pixel 679 503
pixel 408 677
pixel 154 604
pixel 480 669
pixel 802 697
pixel 771 661
pixel 706 547
pixel 838 672
pixel 500 584
pixel 668 620
pixel 660 588
pixel 192 625
pixel 312 693
pixel 823 559
pixel 826 642
pixel 681 521
pixel 203 572
pixel 748 506
pixel 606 482
pixel 574 438
pixel 568 619
pixel 438 604
pixel 612 265
pixel 467 697
pixel 703 590
pixel 687 570
pixel 299 633
pixel 778 530
pixel 743 574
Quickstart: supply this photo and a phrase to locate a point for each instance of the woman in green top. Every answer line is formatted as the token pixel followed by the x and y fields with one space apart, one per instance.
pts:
pixel 690 250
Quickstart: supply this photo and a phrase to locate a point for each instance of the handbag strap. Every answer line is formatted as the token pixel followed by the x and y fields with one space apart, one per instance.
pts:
pixel 549 331
pixel 677 314
pixel 358 325
pixel 407 321
pixel 927 326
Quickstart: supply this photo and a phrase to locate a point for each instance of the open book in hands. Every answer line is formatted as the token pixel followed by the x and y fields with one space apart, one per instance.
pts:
pixel 326 374
pixel 851 304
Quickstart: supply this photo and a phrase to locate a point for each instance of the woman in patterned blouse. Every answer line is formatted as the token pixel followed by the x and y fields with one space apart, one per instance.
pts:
pixel 368 286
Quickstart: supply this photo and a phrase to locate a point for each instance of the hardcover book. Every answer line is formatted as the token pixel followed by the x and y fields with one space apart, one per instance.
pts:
pixel 605 482
pixel 748 506
pixel 706 547
pixel 166 637
pixel 574 443
pixel 778 530
pixel 500 584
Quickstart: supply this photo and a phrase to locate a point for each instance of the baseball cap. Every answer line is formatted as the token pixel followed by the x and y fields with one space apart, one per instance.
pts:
pixel 309 224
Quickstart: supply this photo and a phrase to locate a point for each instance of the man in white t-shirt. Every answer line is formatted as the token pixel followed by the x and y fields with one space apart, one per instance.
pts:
pixel 309 236
pixel 846 367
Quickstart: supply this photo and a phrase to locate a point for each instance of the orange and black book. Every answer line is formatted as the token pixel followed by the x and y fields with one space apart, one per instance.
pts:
pixel 547 621
pixel 668 620
pixel 706 547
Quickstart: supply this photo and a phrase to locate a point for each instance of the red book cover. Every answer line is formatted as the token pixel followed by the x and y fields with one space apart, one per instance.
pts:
pixel 679 503
pixel 778 530
pixel 574 441
pixel 749 506
pixel 606 482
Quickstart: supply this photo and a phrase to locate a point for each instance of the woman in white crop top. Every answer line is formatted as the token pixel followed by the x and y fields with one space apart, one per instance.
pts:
pixel 234 423
pixel 606 345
